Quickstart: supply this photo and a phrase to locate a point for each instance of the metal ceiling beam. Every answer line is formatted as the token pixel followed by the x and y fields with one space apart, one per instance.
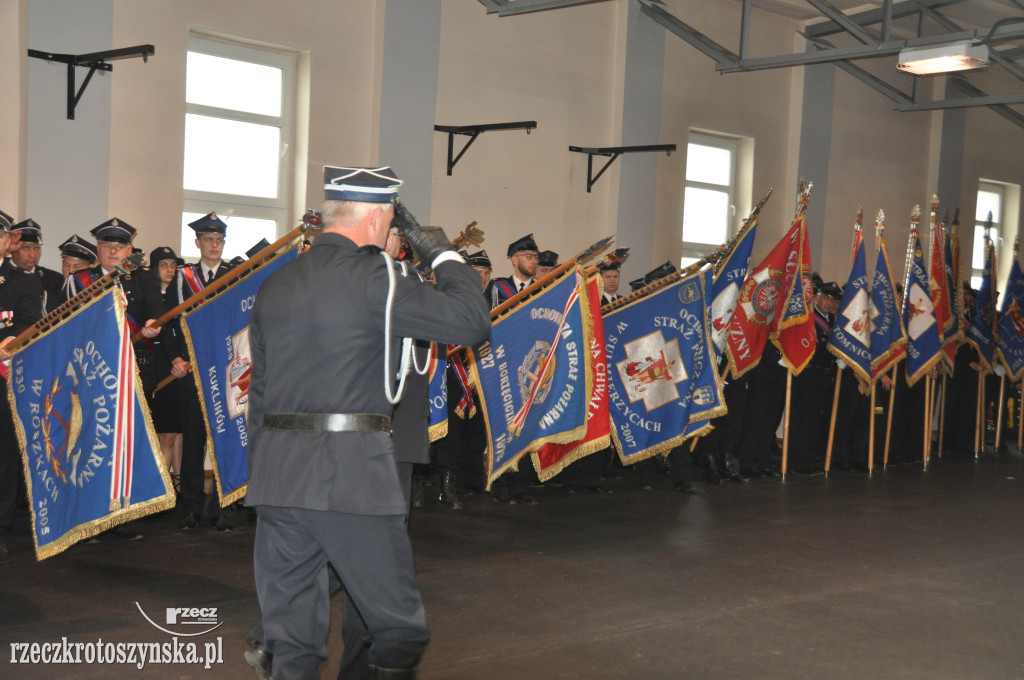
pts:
pixel 867 51
pixel 506 8
pixel 877 16
pixel 850 26
pixel 709 47
pixel 1003 110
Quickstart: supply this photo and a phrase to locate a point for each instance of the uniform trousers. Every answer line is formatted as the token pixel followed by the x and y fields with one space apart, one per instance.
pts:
pixel 373 557
pixel 193 452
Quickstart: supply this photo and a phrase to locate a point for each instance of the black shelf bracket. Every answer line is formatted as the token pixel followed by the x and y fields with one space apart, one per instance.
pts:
pixel 614 152
pixel 473 131
pixel 94 61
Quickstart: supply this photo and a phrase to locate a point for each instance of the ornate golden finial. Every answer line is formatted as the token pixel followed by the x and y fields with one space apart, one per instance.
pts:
pixel 1016 245
pixel 860 215
pixel 935 203
pixel 880 222
pixel 915 215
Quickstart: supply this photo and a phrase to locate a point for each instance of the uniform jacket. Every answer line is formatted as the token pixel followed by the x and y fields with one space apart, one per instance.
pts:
pixel 317 342
pixel 20 300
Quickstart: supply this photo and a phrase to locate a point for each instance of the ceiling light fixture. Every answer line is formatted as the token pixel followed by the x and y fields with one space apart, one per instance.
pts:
pixel 957 56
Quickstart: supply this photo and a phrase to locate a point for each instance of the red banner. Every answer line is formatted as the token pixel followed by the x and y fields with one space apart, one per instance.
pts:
pixel 553 458
pixel 796 337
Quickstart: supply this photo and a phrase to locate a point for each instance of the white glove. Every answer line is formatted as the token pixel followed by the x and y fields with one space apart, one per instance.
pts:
pixel 999 370
pixel 841 364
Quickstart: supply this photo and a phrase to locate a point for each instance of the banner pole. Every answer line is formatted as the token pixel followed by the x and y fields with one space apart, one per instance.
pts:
pixel 871 432
pixel 926 445
pixel 999 407
pixel 942 414
pixel 979 399
pixel 832 421
pixel 1020 426
pixel 888 416
pixel 785 424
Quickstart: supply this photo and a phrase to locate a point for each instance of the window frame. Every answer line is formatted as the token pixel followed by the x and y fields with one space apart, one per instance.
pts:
pixel 995 233
pixel 228 205
pixel 692 250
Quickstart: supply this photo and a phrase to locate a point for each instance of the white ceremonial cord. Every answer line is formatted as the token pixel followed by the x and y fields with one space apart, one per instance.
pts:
pixel 408 355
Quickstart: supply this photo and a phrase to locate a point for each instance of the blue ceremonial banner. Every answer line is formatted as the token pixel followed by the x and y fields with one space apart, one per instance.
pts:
pixel 1011 324
pixel 91 456
pixel 924 337
pixel 979 331
pixel 725 290
pixel 534 375
pixel 662 373
pixel 850 339
pixel 217 333
pixel 437 392
pixel 887 334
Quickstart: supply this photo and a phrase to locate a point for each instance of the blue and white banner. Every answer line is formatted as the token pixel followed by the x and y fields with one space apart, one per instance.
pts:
pixel 91 456
pixel 888 336
pixel 437 392
pixel 850 339
pixel 534 374
pixel 924 337
pixel 662 372
pixel 217 333
pixel 725 291
pixel 1011 324
pixel 979 331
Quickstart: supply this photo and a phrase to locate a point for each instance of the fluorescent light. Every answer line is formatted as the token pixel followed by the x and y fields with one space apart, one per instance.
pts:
pixel 958 56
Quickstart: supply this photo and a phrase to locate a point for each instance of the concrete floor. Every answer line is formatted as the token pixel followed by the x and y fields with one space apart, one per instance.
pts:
pixel 905 574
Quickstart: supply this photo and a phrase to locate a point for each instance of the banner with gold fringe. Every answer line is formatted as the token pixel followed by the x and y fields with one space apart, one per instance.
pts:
pixel 91 456
pixel 533 374
pixel 217 333
pixel 437 393
pixel 553 458
pixel 661 369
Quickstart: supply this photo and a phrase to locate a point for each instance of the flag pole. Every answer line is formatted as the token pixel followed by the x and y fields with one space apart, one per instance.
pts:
pixel 1020 425
pixel 942 414
pixel 871 432
pixel 832 421
pixel 785 426
pixel 925 452
pixel 999 417
pixel 888 416
pixel 978 413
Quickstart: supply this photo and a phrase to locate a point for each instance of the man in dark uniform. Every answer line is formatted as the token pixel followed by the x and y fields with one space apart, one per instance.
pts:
pixel 210 234
pixel 19 308
pixel 142 294
pixel 812 389
pixel 524 257
pixel 76 254
pixel 321 464
pixel 546 261
pixel 610 275
pixel 27 258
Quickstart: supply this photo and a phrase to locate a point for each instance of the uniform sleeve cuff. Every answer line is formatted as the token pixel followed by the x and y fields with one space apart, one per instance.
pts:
pixel 446 256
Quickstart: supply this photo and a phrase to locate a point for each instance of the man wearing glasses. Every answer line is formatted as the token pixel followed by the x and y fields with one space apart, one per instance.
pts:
pixel 524 257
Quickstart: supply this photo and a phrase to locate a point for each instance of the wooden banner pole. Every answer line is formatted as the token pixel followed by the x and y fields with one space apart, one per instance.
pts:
pixel 871 432
pixel 942 415
pixel 832 421
pixel 999 408
pixel 888 416
pixel 785 424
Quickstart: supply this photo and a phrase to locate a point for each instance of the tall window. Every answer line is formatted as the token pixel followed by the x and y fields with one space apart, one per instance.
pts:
pixel 709 201
pixel 990 199
pixel 239 112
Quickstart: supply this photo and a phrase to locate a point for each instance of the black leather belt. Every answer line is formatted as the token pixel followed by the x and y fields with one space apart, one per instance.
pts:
pixel 327 422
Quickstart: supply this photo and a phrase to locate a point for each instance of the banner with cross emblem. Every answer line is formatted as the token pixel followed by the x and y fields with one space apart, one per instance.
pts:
pixel 662 369
pixel 535 374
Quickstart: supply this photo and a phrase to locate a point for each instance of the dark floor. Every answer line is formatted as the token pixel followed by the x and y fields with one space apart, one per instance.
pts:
pixel 904 574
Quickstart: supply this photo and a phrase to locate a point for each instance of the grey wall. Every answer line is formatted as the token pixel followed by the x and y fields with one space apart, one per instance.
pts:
pixel 412 35
pixel 68 161
pixel 816 148
pixel 641 125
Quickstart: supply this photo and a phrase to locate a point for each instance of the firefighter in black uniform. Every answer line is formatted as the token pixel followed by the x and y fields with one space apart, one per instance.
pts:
pixel 20 295
pixel 322 468
pixel 27 258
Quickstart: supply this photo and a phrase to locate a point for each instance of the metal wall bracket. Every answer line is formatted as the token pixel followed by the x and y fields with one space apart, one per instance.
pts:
pixel 94 61
pixel 473 131
pixel 614 152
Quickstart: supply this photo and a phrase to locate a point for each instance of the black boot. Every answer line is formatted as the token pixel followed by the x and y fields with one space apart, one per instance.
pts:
pixel 449 496
pixel 712 474
pixel 731 469
pixel 378 673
